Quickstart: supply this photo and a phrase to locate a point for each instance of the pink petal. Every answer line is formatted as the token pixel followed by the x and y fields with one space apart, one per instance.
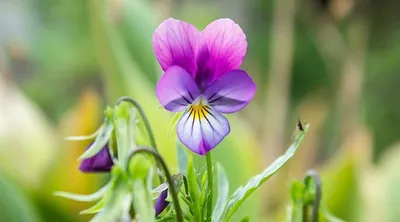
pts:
pixel 231 92
pixel 176 89
pixel 226 44
pixel 176 43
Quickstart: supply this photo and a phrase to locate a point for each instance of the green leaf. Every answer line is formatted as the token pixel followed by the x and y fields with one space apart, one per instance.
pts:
pixel 95 208
pixel 194 190
pixel 117 206
pixel 142 201
pixel 82 197
pixel 223 192
pixel 101 139
pixel 15 205
pixel 124 132
pixel 245 219
pixel 87 137
pixel 182 158
pixel 297 192
pixel 329 217
pixel 173 122
pixel 242 193
pixel 156 191
pixel 136 26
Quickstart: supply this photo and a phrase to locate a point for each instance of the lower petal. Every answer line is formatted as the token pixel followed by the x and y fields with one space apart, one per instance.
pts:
pixel 201 128
pixel 231 92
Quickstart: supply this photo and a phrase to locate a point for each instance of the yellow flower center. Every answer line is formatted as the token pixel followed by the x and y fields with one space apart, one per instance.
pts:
pixel 199 109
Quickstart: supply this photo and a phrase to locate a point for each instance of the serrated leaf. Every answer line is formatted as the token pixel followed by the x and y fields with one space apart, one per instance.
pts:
pixel 243 192
pixel 173 122
pixel 101 139
pixel 182 158
pixel 223 192
pixel 94 209
pixel 84 197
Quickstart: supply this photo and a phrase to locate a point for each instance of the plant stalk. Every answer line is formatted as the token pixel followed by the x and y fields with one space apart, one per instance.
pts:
pixel 210 186
pixel 171 185
pixel 144 117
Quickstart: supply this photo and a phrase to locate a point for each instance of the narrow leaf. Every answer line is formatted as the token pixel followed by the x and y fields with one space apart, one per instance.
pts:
pixel 329 217
pixel 182 158
pixel 297 194
pixel 116 207
pixel 223 192
pixel 95 208
pixel 142 202
pixel 84 197
pixel 243 192
pixel 194 190
pixel 101 139
pixel 173 122
pixel 156 191
pixel 87 137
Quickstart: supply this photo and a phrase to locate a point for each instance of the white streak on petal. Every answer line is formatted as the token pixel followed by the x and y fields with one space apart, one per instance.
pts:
pixel 201 128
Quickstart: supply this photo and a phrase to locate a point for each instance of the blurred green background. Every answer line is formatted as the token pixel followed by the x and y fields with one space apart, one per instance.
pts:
pixel 331 63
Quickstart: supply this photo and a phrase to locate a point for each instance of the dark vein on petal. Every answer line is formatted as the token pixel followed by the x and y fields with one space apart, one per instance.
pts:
pixel 193 121
pixel 209 123
pixel 208 111
pixel 190 110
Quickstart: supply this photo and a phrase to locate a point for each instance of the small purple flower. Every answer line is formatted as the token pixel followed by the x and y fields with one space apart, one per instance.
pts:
pixel 161 203
pixel 101 162
pixel 202 78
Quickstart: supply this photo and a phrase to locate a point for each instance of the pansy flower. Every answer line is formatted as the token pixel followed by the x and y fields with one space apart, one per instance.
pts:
pixel 202 78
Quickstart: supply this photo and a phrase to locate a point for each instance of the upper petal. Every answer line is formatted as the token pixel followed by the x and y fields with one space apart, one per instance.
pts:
pixel 201 128
pixel 176 43
pixel 231 92
pixel 226 44
pixel 176 89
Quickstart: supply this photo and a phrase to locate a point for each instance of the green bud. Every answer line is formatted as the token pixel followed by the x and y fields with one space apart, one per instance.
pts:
pixel 109 112
pixel 139 166
pixel 122 110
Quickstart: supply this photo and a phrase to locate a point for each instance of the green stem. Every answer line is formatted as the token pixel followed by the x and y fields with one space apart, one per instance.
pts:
pixel 312 175
pixel 171 185
pixel 210 186
pixel 144 117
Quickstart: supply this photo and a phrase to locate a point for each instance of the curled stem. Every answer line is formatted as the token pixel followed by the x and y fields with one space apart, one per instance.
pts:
pixel 167 174
pixel 144 117
pixel 313 175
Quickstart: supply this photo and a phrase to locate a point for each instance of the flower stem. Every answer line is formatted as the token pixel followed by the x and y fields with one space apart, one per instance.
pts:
pixel 144 117
pixel 171 185
pixel 210 186
pixel 312 175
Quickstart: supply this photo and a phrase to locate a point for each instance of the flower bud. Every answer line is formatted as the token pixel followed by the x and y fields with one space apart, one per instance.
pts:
pixel 139 166
pixel 101 162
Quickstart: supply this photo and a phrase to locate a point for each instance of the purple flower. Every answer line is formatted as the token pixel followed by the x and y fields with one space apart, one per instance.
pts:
pixel 101 162
pixel 202 78
pixel 161 203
